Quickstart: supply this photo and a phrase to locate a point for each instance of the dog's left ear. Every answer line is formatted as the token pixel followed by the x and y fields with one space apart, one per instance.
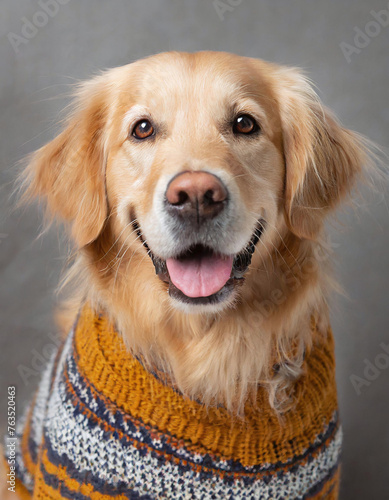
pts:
pixel 68 173
pixel 323 160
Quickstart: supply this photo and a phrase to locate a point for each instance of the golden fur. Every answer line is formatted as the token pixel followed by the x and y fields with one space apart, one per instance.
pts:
pixel 301 168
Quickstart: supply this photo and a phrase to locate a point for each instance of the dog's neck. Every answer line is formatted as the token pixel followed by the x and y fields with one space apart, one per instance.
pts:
pixel 219 358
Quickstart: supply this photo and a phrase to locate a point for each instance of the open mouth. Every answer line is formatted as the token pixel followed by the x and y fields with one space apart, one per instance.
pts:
pixel 200 275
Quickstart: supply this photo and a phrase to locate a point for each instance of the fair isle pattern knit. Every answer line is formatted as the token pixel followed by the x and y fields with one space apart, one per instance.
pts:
pixel 103 427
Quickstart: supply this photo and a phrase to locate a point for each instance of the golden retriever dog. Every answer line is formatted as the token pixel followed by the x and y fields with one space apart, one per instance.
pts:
pixel 196 187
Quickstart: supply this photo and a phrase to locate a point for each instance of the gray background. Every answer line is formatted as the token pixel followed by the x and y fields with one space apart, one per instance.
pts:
pixel 86 36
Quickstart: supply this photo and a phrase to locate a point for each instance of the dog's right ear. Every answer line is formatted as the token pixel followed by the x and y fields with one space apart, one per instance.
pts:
pixel 68 174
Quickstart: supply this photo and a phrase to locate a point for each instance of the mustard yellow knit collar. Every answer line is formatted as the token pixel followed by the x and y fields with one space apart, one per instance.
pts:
pixel 261 437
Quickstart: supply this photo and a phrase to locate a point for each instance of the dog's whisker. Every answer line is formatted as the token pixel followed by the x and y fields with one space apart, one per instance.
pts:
pixel 284 261
pixel 268 252
pixel 114 243
pixel 147 254
pixel 117 256
pixel 283 242
pixel 117 239
pixel 122 257
pixel 119 259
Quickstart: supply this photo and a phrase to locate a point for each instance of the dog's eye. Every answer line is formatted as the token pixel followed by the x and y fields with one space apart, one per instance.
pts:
pixel 143 129
pixel 245 124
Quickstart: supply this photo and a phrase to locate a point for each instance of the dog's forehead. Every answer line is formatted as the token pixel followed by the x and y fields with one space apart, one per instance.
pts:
pixel 207 79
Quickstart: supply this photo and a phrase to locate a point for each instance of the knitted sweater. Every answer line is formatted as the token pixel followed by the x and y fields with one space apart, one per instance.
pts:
pixel 101 426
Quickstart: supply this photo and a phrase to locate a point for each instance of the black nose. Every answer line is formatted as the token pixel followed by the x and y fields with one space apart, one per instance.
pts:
pixel 196 195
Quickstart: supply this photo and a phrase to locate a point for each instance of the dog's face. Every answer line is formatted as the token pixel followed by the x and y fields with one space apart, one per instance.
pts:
pixel 196 170
pixel 200 161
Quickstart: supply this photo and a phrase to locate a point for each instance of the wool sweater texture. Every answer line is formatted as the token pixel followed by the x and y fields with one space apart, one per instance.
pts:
pixel 101 426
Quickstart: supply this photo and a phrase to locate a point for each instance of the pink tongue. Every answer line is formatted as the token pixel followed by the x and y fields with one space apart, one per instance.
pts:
pixel 200 276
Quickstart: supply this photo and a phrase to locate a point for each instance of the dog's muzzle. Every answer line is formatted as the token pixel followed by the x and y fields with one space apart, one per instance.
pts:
pixel 195 203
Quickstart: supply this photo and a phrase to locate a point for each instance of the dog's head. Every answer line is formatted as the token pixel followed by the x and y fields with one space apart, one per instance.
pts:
pixel 196 162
